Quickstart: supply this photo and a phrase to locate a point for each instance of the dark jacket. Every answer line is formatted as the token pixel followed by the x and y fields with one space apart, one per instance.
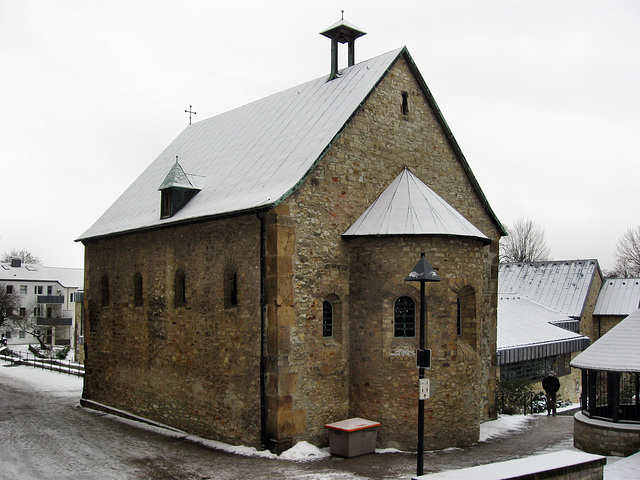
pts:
pixel 551 384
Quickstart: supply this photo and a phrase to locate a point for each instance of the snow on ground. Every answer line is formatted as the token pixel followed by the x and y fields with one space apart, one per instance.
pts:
pixel 63 385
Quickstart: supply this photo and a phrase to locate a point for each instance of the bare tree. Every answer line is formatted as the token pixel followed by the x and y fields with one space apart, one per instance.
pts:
pixel 525 243
pixel 9 303
pixel 25 255
pixel 29 324
pixel 627 256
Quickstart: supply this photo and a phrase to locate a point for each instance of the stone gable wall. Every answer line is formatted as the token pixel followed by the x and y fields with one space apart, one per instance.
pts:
pixel 373 149
pixel 195 367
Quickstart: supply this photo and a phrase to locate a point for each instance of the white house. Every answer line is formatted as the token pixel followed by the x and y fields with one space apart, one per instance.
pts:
pixel 48 294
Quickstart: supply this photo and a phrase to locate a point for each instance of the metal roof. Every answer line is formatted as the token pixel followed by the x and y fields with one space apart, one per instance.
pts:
pixel 176 178
pixel 525 331
pixel 617 350
pixel 253 157
pixel 562 286
pixel 409 207
pixel 618 296
pixel 250 157
pixel 67 277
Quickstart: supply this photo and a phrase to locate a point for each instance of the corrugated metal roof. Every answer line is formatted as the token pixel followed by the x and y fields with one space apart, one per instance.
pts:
pixel 617 350
pixel 67 277
pixel 409 207
pixel 562 286
pixel 252 156
pixel 618 296
pixel 524 331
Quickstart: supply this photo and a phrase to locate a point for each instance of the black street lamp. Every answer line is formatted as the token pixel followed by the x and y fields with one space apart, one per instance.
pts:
pixel 422 272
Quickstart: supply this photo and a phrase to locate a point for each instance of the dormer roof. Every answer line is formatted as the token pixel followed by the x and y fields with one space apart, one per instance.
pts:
pixel 176 178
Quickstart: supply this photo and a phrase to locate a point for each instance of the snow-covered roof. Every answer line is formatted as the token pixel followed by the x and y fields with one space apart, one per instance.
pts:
pixel 250 157
pixel 409 207
pixel 562 286
pixel 618 296
pixel 525 331
pixel 253 157
pixel 67 277
pixel 617 350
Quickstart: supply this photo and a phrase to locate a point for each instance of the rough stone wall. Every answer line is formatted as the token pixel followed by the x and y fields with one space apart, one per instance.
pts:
pixel 195 367
pixel 605 438
pixel 383 368
pixel 603 323
pixel 588 325
pixel 369 154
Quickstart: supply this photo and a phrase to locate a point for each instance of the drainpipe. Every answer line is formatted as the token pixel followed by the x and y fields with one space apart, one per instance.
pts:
pixel 263 383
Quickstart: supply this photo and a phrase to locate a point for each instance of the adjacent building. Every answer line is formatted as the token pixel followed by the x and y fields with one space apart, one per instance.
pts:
pixel 250 285
pixel 47 297
pixel 545 317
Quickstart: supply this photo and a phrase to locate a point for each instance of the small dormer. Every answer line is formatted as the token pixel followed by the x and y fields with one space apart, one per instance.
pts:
pixel 342 32
pixel 176 191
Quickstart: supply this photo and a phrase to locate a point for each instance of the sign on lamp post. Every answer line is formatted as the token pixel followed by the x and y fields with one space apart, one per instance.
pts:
pixel 423 272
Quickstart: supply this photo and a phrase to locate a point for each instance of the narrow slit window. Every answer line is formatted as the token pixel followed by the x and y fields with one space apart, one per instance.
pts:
pixel 105 291
pixel 405 103
pixel 180 289
pixel 327 319
pixel 137 290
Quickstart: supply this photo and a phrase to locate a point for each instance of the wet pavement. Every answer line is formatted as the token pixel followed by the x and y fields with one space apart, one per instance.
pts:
pixel 45 434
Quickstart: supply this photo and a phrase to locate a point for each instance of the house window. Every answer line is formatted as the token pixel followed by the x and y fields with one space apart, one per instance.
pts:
pixel 23 289
pixel 458 319
pixel 21 334
pixel 327 319
pixel 8 334
pixel 23 312
pixel 230 289
pixel 404 317
pixel 104 287
pixel 405 103
pixel 180 289
pixel 137 290
pixel 37 289
pixel 49 290
pixel 9 288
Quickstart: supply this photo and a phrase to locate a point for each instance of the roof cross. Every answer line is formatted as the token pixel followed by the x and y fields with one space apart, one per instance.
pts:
pixel 190 112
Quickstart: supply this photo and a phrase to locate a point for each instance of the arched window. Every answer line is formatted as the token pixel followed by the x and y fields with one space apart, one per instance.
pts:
pixel 104 288
pixel 458 318
pixel 327 319
pixel 404 317
pixel 137 290
pixel 180 289
pixel 466 322
pixel 230 289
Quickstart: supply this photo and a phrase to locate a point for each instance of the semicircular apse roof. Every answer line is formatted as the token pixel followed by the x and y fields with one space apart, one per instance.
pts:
pixel 409 207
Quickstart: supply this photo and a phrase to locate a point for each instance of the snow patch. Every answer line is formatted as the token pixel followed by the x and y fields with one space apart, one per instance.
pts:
pixel 502 426
pixel 304 451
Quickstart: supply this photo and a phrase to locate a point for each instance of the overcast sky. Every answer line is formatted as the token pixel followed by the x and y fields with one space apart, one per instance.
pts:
pixel 542 96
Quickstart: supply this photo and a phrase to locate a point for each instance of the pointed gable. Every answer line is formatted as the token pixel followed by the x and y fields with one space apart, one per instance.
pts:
pixel 409 207
pixel 176 178
pixel 255 156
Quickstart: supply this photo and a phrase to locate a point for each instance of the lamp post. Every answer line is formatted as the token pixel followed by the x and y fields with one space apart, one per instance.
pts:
pixel 423 272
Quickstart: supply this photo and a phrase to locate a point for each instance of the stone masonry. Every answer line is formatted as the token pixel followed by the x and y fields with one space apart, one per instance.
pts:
pixel 252 366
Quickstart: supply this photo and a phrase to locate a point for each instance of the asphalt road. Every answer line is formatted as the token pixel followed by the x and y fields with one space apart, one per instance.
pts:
pixel 45 434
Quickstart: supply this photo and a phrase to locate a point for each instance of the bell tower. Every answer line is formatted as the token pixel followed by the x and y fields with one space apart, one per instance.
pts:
pixel 342 32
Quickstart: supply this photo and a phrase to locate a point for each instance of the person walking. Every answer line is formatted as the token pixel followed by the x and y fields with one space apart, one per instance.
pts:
pixel 551 385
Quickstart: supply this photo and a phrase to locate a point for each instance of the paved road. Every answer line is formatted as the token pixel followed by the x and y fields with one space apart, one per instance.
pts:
pixel 45 434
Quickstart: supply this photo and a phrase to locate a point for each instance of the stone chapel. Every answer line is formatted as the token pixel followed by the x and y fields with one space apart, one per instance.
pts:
pixel 249 286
